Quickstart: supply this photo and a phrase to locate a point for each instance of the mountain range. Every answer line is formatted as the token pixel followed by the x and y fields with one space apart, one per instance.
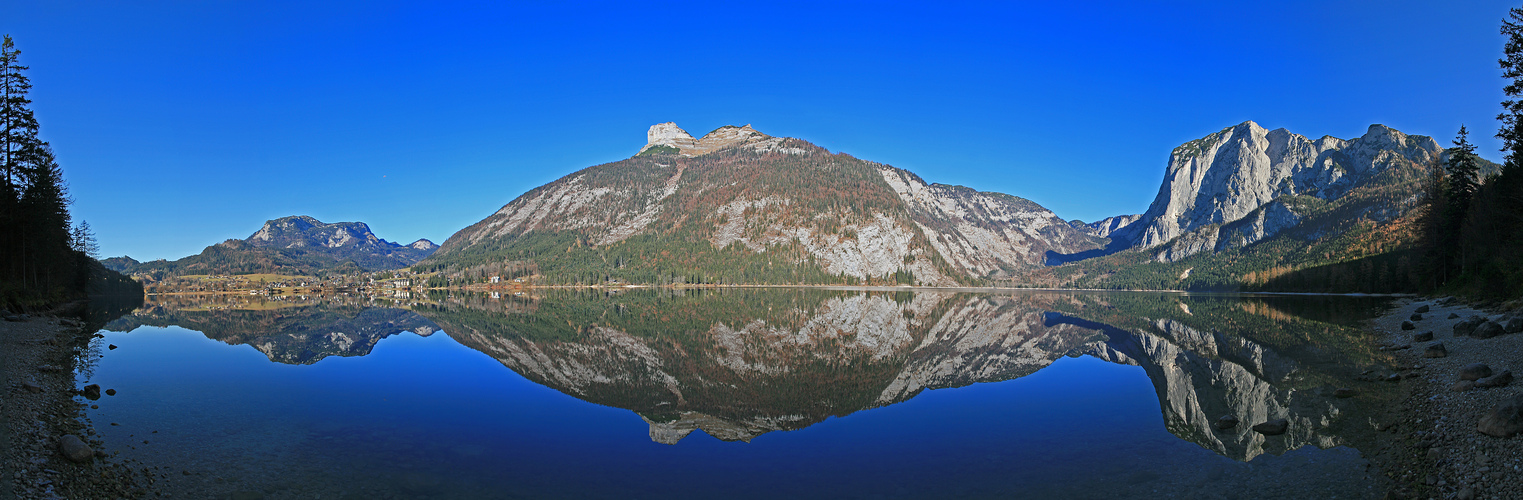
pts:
pixel 291 245
pixel 1236 209
pixel 740 206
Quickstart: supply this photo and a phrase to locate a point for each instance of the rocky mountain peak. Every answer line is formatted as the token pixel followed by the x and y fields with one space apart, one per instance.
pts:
pixel 424 245
pixel 670 135
pixel 1228 176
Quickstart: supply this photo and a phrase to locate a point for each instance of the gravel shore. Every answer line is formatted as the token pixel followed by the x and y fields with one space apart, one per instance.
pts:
pixel 1438 452
pixel 40 406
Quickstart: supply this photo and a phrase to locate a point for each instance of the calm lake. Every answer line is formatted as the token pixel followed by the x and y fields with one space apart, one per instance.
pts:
pixel 750 393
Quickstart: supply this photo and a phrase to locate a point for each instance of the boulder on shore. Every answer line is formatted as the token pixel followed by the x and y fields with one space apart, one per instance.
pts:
pixel 1422 337
pixel 1436 350
pixel 1513 324
pixel 1416 317
pixel 1487 330
pixel 1504 421
pixel 1407 325
pixel 1475 371
pixel 1422 308
pixel 75 449
pixel 1498 380
pixel 1463 328
pixel 1454 316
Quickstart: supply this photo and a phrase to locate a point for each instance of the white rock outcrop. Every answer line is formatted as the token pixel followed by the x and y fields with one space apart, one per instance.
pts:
pixel 1229 175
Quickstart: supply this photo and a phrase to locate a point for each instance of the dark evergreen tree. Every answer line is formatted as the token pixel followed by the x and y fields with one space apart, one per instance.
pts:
pixel 39 261
pixel 1511 118
pixel 1464 170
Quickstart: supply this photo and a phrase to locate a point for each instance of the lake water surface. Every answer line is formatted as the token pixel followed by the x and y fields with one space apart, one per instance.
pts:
pixel 745 393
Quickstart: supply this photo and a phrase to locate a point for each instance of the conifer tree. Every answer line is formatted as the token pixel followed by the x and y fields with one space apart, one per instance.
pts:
pixel 1463 168
pixel 1511 130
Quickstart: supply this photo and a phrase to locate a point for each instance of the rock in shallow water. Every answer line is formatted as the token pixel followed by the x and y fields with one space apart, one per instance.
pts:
pixel 91 391
pixel 74 448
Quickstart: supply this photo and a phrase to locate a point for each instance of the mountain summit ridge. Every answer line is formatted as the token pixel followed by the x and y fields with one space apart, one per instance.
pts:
pixel 779 207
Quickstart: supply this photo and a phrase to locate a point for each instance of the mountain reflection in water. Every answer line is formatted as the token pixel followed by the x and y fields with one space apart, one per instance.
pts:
pixel 740 363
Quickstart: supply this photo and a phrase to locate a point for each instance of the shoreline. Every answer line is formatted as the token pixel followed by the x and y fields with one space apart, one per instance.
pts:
pixel 1438 451
pixel 40 405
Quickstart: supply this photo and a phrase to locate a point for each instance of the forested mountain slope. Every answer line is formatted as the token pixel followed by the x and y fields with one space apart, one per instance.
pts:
pixel 739 206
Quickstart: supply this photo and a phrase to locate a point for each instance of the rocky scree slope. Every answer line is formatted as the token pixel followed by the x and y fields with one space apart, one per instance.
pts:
pixel 739 206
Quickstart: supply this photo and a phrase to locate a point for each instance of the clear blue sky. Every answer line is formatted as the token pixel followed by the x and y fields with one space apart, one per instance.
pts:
pixel 180 124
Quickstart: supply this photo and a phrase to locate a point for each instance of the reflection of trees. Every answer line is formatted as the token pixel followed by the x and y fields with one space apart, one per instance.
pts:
pixel 741 363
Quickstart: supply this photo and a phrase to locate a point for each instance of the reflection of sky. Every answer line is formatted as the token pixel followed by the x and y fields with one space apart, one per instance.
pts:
pixel 438 418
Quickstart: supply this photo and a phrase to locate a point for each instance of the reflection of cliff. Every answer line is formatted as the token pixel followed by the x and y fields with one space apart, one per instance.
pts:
pixel 292 335
pixel 737 365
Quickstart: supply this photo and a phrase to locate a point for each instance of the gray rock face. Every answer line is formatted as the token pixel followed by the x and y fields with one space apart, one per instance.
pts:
pixel 1237 180
pixel 1273 427
pixel 985 232
pixel 1104 227
pixel 1504 421
pixel 1226 422
pixel 75 449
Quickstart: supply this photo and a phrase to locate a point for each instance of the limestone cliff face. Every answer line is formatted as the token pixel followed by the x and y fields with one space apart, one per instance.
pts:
pixel 1104 227
pixel 985 233
pixel 670 135
pixel 1234 174
pixel 744 191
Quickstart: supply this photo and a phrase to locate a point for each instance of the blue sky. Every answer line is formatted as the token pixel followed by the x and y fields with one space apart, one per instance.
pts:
pixel 180 124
